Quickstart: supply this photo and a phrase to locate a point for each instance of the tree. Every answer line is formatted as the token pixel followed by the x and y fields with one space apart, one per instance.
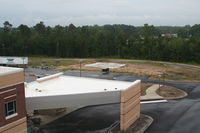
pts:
pixel 195 30
pixel 40 28
pixel 24 30
pixel 7 26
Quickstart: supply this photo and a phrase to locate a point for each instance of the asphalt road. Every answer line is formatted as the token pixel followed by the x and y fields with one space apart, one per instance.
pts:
pixel 176 116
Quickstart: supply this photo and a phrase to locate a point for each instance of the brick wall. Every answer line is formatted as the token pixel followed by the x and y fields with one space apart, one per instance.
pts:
pixel 15 92
pixel 12 88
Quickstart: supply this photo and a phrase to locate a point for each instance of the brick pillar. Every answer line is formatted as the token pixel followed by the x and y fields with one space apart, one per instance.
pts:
pixel 130 105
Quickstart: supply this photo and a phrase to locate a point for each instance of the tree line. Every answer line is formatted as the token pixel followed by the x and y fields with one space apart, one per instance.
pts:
pixel 120 41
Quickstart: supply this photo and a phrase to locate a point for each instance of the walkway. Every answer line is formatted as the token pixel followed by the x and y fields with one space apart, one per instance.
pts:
pixel 151 93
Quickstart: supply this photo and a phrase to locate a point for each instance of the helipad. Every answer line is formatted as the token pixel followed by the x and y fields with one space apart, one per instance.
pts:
pixel 105 65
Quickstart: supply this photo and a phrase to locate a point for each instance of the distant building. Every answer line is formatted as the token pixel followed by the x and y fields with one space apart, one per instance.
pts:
pixel 12 101
pixel 8 60
pixel 170 35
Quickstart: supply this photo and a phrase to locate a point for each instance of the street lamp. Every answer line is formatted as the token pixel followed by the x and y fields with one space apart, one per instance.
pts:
pixel 80 68
pixel 3 51
pixel 159 77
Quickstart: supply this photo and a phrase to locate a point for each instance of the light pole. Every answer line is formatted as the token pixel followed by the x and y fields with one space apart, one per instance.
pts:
pixel 3 51
pixel 163 77
pixel 80 69
pixel 24 66
pixel 159 77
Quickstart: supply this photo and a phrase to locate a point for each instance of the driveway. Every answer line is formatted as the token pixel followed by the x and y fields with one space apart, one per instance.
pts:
pixel 176 116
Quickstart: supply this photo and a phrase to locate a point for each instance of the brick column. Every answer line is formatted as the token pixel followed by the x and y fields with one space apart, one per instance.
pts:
pixel 130 105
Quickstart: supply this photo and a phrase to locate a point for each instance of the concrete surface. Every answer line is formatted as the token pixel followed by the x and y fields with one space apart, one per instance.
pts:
pixel 138 127
pixel 105 65
pixel 151 93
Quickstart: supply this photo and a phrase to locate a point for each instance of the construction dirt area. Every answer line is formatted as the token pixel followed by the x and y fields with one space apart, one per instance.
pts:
pixel 154 70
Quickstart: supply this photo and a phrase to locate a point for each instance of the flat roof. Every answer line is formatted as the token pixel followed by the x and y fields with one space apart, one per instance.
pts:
pixel 59 84
pixel 9 70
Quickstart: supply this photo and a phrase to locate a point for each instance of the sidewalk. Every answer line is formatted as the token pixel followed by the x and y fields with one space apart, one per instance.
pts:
pixel 151 93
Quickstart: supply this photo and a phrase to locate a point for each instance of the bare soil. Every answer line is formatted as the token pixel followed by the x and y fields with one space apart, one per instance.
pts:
pixel 169 92
pixel 151 70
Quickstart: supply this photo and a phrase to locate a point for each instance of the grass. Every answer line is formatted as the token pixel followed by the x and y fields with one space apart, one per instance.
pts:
pixel 52 64
pixel 41 58
pixel 154 64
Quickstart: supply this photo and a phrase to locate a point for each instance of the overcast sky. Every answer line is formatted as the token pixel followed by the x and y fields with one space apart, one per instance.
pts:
pixel 90 12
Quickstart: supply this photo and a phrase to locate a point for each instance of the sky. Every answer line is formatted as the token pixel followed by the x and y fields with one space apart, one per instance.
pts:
pixel 100 12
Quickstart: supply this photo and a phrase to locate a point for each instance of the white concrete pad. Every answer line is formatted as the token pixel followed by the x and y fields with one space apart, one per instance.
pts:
pixel 105 65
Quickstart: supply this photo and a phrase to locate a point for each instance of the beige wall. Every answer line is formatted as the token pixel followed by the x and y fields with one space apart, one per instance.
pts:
pixel 19 126
pixel 130 106
pixel 11 79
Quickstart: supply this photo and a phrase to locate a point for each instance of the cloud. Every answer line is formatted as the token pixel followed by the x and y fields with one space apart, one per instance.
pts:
pixel 90 12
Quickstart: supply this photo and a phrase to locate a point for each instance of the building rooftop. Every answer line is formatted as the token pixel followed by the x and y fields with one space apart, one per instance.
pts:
pixel 59 84
pixel 58 91
pixel 9 70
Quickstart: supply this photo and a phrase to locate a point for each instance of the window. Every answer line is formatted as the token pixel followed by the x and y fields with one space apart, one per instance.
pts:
pixel 10 108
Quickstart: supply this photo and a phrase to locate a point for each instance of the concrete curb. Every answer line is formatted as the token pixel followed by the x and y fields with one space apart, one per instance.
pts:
pixel 139 126
pixel 185 94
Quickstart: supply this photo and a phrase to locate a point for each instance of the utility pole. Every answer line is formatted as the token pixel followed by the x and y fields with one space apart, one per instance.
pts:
pixel 24 67
pixel 163 77
pixel 80 69
pixel 57 49
pixel 3 50
pixel 159 76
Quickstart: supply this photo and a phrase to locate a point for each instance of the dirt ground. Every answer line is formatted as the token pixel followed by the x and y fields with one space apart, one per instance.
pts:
pixel 169 92
pixel 155 71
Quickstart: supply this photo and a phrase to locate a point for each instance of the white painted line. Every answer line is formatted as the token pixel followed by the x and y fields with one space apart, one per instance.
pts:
pixel 155 101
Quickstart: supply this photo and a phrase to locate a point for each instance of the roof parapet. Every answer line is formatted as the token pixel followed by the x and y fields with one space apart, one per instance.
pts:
pixel 49 77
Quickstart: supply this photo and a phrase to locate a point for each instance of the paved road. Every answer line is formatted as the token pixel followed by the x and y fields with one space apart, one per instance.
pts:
pixel 96 119
pixel 176 116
